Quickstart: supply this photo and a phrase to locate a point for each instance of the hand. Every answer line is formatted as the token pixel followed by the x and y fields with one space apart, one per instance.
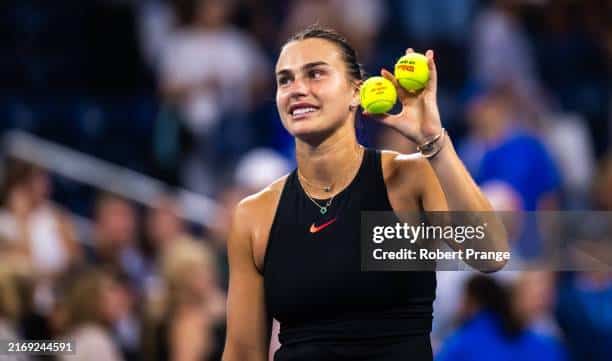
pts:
pixel 419 119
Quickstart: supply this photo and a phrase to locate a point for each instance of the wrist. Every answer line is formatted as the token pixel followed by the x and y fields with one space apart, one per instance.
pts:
pixel 429 134
pixel 432 145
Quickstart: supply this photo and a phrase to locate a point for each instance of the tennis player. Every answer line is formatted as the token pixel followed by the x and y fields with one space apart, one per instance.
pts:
pixel 294 246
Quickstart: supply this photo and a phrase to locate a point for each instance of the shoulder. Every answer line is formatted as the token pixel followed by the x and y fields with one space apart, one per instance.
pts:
pixel 254 214
pixel 95 342
pixel 264 200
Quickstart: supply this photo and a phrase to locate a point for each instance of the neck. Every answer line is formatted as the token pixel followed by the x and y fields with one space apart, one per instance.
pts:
pixel 323 163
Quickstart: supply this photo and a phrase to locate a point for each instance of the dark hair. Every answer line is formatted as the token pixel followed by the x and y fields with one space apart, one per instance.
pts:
pixel 349 55
pixel 104 198
pixel 16 172
pixel 491 296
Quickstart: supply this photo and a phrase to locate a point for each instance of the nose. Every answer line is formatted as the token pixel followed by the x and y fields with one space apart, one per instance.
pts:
pixel 298 89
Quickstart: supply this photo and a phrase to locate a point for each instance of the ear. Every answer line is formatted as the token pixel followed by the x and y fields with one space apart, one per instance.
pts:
pixel 356 101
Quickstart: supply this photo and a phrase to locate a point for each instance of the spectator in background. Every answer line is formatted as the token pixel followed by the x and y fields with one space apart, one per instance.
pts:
pixel 502 52
pixel 164 229
pixel 20 311
pixel 164 226
pixel 115 243
pixel 93 302
pixel 30 223
pixel 429 21
pixel 116 248
pixel 584 312
pixel 10 304
pixel 450 285
pixel 211 71
pixel 500 147
pixel 155 21
pixel 584 306
pixel 360 20
pixel 533 297
pixel 187 320
pixel 491 330
pixel 563 131
pixel 10 308
pixel 305 12
pixel 40 234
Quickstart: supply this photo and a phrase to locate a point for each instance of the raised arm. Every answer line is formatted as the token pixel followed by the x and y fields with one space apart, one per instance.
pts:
pixel 445 183
pixel 248 326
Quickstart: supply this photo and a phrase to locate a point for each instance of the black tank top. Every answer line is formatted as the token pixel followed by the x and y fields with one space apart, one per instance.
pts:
pixel 327 307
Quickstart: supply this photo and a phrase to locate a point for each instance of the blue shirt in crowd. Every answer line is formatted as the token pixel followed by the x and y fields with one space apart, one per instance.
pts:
pixel 522 161
pixel 482 339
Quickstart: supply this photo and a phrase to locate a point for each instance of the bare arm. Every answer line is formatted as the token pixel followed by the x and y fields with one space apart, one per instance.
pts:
pixel 448 186
pixel 443 176
pixel 462 193
pixel 248 325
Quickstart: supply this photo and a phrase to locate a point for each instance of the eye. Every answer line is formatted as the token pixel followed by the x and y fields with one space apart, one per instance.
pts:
pixel 283 80
pixel 315 73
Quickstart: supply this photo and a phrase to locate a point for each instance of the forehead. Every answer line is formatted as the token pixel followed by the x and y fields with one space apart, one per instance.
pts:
pixel 298 53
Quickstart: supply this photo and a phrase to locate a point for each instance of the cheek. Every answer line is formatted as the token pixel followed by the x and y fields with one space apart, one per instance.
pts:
pixel 281 102
pixel 336 91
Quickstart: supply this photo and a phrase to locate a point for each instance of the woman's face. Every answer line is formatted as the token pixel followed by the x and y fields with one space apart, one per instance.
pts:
pixel 314 91
pixel 114 301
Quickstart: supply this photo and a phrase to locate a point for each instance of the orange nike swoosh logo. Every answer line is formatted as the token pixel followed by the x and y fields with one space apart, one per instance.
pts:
pixel 315 229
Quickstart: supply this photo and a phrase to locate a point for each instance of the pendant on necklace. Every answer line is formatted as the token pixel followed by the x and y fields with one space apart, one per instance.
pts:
pixel 323 210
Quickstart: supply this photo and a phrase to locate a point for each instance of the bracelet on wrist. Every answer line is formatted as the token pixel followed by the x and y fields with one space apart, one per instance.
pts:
pixel 430 148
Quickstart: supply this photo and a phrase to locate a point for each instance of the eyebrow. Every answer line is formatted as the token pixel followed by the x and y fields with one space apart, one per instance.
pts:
pixel 304 67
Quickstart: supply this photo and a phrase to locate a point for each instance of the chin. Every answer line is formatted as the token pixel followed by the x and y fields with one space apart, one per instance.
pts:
pixel 310 131
pixel 304 128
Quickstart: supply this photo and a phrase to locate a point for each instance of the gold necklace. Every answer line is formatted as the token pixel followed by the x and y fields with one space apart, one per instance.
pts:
pixel 322 209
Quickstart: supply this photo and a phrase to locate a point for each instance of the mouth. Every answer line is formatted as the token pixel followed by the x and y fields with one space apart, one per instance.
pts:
pixel 301 111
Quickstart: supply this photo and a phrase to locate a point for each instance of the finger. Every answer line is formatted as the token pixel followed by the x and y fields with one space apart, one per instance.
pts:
pixel 385 118
pixel 403 94
pixel 409 50
pixel 432 84
pixel 387 75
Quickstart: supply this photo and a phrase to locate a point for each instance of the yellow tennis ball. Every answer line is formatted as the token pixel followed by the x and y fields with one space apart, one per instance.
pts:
pixel 377 95
pixel 412 72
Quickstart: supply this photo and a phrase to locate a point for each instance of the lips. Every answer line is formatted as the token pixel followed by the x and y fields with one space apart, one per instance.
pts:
pixel 302 110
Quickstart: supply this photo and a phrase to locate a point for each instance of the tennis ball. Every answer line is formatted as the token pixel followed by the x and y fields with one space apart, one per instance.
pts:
pixel 377 95
pixel 412 72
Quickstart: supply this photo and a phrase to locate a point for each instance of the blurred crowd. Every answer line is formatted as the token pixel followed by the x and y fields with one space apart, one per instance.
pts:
pixel 183 90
